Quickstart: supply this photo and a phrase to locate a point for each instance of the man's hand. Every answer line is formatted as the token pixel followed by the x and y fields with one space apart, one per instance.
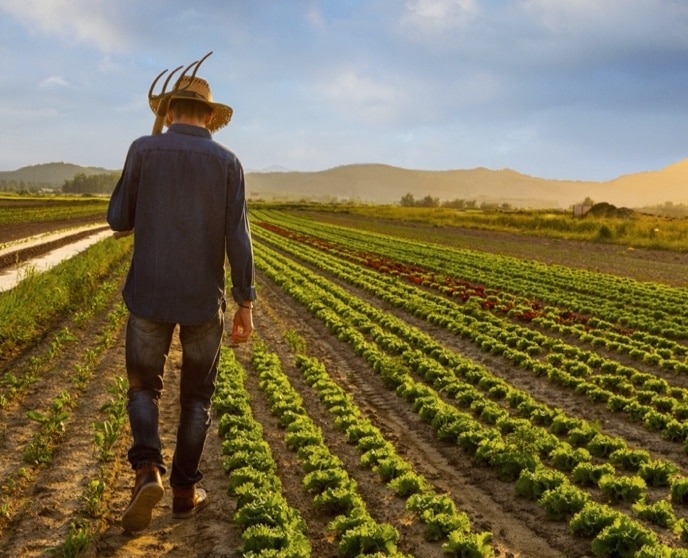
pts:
pixel 121 234
pixel 242 325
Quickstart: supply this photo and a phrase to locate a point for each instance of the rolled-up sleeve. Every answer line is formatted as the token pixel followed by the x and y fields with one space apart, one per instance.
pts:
pixel 238 238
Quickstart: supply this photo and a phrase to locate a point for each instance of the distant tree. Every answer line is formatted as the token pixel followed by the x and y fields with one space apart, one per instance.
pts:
pixel 429 201
pixel 455 204
pixel 91 184
pixel 604 209
pixel 407 200
pixel 667 209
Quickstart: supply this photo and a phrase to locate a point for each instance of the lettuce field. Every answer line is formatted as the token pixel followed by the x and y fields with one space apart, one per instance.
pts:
pixel 401 396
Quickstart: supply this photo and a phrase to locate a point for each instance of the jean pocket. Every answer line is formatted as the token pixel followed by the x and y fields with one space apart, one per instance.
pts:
pixel 145 326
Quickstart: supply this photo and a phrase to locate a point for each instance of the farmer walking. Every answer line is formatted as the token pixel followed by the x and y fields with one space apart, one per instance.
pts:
pixel 183 194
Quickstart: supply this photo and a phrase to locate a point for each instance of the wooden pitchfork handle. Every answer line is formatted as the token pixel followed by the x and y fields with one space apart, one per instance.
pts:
pixel 163 98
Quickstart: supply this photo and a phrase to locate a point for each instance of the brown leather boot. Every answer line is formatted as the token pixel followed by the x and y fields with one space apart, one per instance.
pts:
pixel 148 491
pixel 187 501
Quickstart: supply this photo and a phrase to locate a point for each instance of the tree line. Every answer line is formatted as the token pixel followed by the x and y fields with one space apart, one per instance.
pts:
pixel 91 184
pixel 408 200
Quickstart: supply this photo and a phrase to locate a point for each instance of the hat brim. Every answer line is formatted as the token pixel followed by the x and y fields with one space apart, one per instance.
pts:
pixel 221 114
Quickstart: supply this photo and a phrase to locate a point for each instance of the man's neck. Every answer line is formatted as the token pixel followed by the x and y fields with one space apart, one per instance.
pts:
pixel 188 120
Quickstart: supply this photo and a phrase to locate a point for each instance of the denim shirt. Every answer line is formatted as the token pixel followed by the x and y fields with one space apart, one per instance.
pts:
pixel 184 196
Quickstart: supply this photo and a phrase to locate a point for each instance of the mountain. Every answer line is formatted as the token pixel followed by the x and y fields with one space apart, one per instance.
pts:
pixel 667 184
pixel 271 168
pixel 53 174
pixel 375 183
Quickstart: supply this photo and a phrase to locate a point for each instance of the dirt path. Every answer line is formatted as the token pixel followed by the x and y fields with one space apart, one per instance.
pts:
pixel 211 533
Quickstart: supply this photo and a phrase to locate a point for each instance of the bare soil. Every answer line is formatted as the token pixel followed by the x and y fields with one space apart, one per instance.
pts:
pixel 16 231
pixel 45 499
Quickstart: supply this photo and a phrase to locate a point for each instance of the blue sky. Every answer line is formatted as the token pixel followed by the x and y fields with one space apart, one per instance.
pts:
pixel 570 89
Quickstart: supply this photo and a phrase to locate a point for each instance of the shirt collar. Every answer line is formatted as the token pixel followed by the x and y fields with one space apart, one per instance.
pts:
pixel 189 130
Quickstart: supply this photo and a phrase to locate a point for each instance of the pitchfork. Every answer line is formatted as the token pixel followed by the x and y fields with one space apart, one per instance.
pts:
pixel 163 98
pixel 161 102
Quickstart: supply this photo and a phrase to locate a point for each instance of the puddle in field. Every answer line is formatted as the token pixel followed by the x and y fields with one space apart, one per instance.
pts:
pixel 10 277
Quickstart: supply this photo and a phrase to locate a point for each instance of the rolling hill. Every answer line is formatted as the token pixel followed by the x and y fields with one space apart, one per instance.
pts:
pixel 53 174
pixel 378 183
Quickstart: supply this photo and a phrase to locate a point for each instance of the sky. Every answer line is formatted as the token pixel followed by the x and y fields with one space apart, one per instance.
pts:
pixel 566 89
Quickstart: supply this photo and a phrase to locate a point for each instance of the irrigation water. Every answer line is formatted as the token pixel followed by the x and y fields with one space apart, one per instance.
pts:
pixel 11 276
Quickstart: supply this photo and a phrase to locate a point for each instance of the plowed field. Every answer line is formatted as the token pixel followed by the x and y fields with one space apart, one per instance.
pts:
pixel 40 502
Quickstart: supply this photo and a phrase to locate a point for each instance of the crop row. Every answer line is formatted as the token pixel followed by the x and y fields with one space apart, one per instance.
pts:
pixel 71 287
pixel 335 493
pixel 640 345
pixel 48 210
pixel 437 511
pixel 513 446
pixel 52 419
pixel 642 396
pixel 267 521
pixel 651 307
pixel 646 348
pixel 51 313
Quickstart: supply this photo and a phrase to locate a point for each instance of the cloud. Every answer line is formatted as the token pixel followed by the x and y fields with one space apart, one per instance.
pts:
pixel 315 17
pixel 439 15
pixel 54 81
pixel 581 86
pixel 78 21
pixel 358 96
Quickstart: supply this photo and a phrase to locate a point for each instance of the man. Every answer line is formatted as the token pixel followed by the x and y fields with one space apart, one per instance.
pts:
pixel 183 194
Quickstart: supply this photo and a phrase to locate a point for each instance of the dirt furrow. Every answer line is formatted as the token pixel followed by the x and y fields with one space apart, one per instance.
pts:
pixel 24 254
pixel 10 232
pixel 288 467
pixel 518 526
pixel 54 378
pixel 53 500
pixel 210 533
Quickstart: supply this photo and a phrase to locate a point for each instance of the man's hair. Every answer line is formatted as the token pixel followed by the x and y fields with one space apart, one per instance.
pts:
pixel 189 107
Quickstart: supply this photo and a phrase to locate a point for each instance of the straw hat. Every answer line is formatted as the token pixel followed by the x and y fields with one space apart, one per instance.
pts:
pixel 196 89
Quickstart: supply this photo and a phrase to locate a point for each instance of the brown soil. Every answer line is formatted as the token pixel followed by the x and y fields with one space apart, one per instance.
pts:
pixel 46 499
pixel 20 255
pixel 17 231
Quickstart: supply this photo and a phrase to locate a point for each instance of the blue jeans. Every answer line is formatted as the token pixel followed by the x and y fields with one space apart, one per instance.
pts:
pixel 147 346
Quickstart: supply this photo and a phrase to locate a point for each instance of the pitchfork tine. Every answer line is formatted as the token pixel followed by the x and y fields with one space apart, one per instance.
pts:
pixel 195 65
pixel 199 64
pixel 167 81
pixel 150 91
pixel 163 98
pixel 182 76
